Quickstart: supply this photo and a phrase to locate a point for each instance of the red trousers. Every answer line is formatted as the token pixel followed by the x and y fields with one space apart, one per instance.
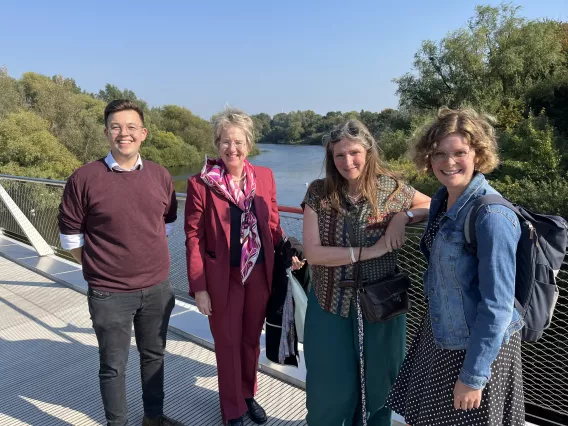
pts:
pixel 236 330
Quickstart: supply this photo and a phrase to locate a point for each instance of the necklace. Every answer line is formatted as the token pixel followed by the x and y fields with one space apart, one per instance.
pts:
pixel 354 198
pixel 236 180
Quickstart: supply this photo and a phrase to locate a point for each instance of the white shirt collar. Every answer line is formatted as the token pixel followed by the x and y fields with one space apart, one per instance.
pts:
pixel 113 165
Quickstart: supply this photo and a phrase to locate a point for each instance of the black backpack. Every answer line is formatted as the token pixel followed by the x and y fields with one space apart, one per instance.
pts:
pixel 540 254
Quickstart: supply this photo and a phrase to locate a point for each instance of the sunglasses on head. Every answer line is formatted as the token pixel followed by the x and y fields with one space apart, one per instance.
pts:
pixel 338 134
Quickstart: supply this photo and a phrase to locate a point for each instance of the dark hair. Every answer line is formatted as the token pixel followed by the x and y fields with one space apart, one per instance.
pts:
pixel 123 105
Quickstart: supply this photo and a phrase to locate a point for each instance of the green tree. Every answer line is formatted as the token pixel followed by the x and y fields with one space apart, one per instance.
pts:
pixel 295 129
pixel 546 196
pixel 261 125
pixel 169 150
pixel 406 170
pixel 12 98
pixel 68 83
pixel 28 148
pixel 75 119
pixel 530 151
pixel 310 122
pixel 552 96
pixel 180 121
pixel 277 132
pixel 83 135
pixel 491 63
pixel 330 120
pixel 112 93
pixel 372 121
pixel 393 144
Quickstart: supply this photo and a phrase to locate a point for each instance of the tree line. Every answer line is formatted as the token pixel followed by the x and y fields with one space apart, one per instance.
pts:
pixel 49 127
pixel 499 63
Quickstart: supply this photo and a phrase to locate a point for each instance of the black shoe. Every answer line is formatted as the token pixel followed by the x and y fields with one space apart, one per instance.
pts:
pixel 237 422
pixel 160 421
pixel 256 412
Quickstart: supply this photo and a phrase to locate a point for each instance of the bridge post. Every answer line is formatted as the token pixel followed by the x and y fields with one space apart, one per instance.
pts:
pixel 40 245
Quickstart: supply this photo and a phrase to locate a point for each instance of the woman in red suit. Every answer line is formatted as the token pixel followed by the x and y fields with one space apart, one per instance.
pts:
pixel 232 226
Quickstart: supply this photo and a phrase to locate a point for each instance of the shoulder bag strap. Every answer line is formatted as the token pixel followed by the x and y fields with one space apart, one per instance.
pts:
pixel 360 328
pixel 353 243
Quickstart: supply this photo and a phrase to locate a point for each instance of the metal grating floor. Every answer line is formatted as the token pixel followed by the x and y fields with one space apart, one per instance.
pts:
pixel 48 372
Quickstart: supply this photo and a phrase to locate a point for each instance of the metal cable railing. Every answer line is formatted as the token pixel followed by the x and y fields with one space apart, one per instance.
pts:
pixel 545 363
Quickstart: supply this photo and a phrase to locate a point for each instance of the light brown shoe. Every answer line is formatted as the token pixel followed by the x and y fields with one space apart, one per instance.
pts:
pixel 160 421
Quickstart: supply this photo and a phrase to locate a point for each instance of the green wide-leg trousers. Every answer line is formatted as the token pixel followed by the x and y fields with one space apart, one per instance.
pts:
pixel 331 350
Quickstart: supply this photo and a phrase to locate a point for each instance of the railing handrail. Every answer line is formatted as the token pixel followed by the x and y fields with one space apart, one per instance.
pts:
pixel 289 209
pixel 36 180
pixel 179 195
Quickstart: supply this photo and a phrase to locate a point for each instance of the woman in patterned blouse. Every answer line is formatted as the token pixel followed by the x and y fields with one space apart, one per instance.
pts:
pixel 379 207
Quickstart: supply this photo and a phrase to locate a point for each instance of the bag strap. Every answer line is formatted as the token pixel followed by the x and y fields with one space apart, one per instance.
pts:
pixel 353 243
pixel 469 225
pixel 471 218
pixel 360 327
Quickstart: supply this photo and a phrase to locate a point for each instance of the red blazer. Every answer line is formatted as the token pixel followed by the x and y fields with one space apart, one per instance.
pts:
pixel 207 230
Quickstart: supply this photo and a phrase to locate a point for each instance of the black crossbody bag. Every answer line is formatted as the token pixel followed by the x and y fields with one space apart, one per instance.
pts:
pixel 382 299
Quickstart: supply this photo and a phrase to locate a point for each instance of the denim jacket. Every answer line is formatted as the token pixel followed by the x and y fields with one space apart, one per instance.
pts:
pixel 471 296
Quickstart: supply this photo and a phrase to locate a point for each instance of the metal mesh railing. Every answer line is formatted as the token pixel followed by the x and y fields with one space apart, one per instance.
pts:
pixel 39 201
pixel 545 363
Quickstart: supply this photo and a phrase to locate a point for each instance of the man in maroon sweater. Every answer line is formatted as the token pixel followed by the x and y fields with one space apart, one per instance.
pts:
pixel 114 218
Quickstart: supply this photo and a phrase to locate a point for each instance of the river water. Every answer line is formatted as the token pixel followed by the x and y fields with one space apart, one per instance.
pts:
pixel 294 166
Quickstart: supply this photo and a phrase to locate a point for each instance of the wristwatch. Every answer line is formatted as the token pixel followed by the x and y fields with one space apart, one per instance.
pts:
pixel 410 216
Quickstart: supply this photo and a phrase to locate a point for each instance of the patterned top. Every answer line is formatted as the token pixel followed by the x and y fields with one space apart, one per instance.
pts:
pixel 368 229
pixel 432 229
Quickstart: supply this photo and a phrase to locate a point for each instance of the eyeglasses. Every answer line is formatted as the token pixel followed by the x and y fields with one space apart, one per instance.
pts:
pixel 227 144
pixel 338 134
pixel 439 157
pixel 116 129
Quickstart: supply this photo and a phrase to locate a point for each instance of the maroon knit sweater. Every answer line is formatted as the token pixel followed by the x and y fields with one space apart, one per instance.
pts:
pixel 122 216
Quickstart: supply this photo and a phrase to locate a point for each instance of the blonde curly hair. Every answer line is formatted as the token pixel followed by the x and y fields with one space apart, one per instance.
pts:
pixel 231 116
pixel 474 127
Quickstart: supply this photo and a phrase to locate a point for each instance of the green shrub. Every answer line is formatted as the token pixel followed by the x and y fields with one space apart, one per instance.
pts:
pixel 421 181
pixel 394 144
pixel 550 197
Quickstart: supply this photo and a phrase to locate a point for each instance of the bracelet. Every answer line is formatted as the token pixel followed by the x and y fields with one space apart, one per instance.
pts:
pixel 352 254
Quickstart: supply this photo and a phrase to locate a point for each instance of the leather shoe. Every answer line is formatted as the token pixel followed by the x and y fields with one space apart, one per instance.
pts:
pixel 160 421
pixel 237 422
pixel 256 412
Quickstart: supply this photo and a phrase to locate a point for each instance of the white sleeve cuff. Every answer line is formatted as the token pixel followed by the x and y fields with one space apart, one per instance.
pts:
pixel 69 242
pixel 170 228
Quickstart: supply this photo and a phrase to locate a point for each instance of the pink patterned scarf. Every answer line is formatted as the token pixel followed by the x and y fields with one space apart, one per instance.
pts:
pixel 218 178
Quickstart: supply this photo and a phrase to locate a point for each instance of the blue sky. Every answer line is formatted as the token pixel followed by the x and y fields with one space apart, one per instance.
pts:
pixel 261 56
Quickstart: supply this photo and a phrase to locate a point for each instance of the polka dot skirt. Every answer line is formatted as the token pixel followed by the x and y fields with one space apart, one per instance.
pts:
pixel 423 391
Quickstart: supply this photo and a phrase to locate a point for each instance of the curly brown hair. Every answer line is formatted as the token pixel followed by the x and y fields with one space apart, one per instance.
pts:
pixel 474 127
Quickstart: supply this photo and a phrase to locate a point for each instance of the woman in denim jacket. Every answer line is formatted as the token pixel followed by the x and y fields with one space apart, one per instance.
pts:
pixel 464 365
